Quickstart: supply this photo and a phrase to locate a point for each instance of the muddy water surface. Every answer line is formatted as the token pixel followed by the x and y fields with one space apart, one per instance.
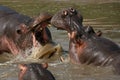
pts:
pixel 66 70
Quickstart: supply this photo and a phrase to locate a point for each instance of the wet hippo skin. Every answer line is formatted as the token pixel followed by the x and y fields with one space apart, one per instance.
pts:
pixel 86 46
pixel 34 71
pixel 19 32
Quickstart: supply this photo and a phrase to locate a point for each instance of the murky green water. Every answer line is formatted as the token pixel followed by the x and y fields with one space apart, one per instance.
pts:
pixel 66 70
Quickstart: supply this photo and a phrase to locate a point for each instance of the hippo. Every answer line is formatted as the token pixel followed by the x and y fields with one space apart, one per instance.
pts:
pixel 86 46
pixel 19 32
pixel 34 71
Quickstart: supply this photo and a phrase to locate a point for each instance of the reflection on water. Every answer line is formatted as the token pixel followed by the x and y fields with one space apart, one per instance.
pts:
pixel 68 71
pixel 82 72
pixel 8 72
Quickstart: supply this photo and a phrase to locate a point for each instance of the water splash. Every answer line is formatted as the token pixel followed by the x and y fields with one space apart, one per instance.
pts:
pixel 40 54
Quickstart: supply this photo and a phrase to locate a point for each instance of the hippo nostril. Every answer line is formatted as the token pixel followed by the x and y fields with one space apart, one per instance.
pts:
pixel 65 13
pixel 72 10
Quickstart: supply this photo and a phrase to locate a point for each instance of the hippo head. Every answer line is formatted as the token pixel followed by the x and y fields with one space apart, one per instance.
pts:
pixel 71 20
pixel 34 71
pixel 67 19
pixel 39 28
pixel 41 35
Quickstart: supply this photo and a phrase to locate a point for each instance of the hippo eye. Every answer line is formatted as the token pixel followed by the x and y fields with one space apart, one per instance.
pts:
pixel 65 13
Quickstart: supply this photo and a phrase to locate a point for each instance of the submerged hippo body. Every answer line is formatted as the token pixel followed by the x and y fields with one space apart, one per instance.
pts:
pixel 86 46
pixel 13 31
pixel 34 71
pixel 95 50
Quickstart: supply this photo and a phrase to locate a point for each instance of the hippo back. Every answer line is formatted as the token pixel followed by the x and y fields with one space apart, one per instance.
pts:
pixel 100 51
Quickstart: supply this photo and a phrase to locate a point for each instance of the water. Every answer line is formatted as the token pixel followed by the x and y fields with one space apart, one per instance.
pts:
pixel 67 70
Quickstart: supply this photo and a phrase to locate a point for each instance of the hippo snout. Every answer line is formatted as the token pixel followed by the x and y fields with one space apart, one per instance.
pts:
pixel 68 19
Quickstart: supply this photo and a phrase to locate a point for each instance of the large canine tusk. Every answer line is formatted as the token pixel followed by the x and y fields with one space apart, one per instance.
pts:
pixel 72 35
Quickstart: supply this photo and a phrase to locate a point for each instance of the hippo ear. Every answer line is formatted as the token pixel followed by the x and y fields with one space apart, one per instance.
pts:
pixel 22 29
